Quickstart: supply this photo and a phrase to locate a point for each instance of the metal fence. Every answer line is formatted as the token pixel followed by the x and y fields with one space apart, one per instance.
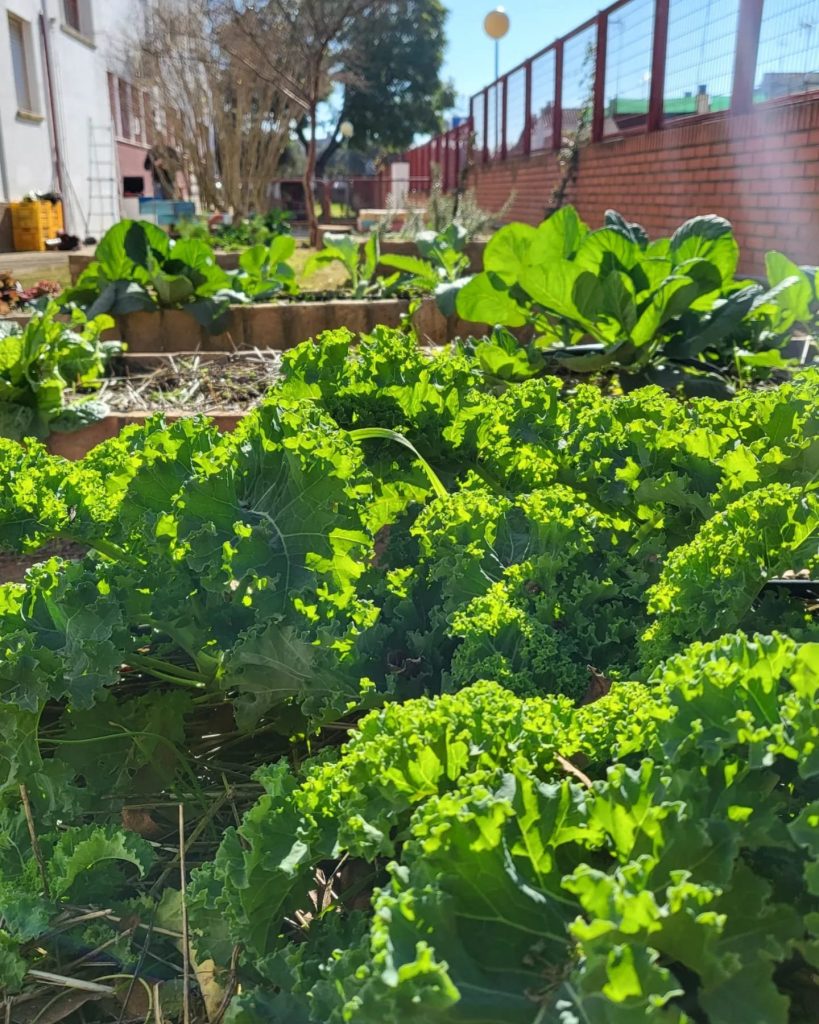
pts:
pixel 638 66
pixel 447 152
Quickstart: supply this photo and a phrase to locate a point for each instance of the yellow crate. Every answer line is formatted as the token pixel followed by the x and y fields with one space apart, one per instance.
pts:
pixel 34 215
pixel 33 221
pixel 28 239
pixel 56 218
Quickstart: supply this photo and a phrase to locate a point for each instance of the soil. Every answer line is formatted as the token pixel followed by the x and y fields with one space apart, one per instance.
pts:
pixel 13 567
pixel 229 382
pixel 341 294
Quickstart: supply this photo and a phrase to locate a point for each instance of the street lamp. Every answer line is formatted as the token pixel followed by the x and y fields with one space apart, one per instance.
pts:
pixel 347 131
pixel 496 25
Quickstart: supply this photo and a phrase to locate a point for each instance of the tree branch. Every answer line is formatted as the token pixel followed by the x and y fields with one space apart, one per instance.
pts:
pixel 332 146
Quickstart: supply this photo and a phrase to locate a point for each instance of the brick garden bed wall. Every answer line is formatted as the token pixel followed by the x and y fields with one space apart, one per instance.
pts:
pixel 760 170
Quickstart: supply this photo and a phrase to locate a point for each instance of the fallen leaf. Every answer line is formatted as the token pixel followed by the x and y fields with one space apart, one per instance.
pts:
pixel 599 686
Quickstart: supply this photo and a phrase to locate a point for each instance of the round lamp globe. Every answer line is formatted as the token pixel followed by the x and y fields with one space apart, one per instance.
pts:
pixel 496 23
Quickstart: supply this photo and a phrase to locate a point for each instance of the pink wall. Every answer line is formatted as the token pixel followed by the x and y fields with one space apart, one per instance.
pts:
pixel 132 164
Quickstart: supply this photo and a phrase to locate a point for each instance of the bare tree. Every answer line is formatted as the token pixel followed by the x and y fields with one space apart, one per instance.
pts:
pixel 297 46
pixel 227 124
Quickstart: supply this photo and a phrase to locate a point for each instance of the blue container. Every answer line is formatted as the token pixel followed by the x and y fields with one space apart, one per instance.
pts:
pixel 166 211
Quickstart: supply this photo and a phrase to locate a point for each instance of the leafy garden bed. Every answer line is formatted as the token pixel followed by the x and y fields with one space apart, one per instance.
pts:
pixel 181 296
pixel 421 696
pixel 79 262
pixel 669 311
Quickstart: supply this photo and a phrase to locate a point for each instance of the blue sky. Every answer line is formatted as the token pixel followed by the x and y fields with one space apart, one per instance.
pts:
pixel 534 24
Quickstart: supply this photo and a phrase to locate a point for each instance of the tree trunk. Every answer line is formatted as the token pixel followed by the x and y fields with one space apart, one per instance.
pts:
pixel 309 180
pixel 331 148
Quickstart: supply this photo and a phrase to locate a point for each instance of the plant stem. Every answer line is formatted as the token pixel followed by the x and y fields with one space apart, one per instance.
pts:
pixel 381 433
pixel 167 666
pixel 111 550
pixel 164 671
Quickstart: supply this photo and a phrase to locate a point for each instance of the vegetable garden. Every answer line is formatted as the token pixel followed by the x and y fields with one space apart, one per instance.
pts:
pixel 469 684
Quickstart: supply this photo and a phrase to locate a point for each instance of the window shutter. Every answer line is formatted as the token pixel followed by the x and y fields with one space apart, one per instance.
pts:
pixel 18 61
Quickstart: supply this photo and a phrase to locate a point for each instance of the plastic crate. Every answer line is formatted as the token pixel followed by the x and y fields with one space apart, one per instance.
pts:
pixel 28 239
pixel 33 221
pixel 55 212
pixel 30 214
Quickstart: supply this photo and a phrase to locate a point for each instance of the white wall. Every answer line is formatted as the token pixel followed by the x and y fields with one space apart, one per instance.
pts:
pixel 79 73
pixel 26 150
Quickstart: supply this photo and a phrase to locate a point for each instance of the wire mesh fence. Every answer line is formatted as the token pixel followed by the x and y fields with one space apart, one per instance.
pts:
pixel 477 113
pixel 662 60
pixel 463 145
pixel 699 70
pixel 516 126
pixel 630 31
pixel 541 120
pixel 493 120
pixel 578 79
pixel 788 55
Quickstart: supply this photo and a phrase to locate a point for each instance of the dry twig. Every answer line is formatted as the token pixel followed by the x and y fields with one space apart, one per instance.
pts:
pixel 35 842
pixel 186 952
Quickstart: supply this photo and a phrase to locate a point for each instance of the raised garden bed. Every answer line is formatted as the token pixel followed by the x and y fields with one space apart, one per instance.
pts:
pixel 79 442
pixel 188 382
pixel 281 325
pixel 222 385
pixel 276 325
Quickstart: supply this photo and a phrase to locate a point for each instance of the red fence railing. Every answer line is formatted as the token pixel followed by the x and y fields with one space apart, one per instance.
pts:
pixel 638 66
pixel 448 152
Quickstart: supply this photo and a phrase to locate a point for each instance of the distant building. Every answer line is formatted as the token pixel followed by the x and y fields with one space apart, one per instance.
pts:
pixel 70 120
pixel 776 84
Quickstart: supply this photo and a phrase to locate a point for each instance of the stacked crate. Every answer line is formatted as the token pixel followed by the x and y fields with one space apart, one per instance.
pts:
pixel 33 221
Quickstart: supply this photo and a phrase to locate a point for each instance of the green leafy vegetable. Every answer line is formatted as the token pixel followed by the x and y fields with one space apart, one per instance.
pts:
pixel 40 361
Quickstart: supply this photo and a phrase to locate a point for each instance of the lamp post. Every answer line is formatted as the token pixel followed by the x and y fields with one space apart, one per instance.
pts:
pixel 347 131
pixel 496 25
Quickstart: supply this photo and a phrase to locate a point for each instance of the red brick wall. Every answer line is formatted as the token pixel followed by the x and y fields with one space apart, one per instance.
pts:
pixel 760 170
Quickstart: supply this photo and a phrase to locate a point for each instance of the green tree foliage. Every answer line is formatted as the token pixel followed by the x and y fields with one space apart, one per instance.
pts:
pixel 391 78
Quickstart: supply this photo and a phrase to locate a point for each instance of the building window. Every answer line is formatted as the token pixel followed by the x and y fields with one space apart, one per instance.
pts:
pixel 133 186
pixel 77 18
pixel 149 118
pixel 124 90
pixel 22 62
pixel 136 114
pixel 71 10
pixel 113 99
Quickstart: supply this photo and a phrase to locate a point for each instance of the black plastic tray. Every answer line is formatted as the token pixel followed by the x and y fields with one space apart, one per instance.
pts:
pixel 797 588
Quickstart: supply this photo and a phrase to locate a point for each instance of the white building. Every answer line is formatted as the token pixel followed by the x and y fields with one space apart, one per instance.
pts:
pixel 69 122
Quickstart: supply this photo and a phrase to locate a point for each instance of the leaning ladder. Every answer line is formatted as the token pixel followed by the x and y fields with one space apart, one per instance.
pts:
pixel 103 180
